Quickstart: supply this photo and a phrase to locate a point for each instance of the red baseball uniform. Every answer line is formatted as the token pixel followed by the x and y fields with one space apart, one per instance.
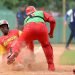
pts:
pixel 36 30
pixel 8 40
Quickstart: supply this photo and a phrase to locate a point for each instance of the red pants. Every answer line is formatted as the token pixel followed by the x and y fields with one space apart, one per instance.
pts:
pixel 36 31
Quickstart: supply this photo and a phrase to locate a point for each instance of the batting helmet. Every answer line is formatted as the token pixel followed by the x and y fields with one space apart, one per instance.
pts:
pixel 30 9
pixel 4 22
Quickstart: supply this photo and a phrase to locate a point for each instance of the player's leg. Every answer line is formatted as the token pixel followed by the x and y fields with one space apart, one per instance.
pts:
pixel 30 45
pixel 69 40
pixel 47 48
pixel 71 26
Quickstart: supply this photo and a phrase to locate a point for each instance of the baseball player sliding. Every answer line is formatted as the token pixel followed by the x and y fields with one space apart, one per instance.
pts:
pixel 8 38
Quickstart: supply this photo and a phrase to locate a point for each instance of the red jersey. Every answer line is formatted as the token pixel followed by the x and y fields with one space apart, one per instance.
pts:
pixel 8 40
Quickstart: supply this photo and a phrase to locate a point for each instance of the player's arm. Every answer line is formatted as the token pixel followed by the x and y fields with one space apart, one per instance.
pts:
pixel 49 18
pixel 67 15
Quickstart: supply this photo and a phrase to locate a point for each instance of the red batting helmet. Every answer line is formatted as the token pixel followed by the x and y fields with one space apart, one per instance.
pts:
pixel 30 9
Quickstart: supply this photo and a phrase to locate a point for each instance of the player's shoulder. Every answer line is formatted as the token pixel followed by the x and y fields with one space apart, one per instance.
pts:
pixel 70 10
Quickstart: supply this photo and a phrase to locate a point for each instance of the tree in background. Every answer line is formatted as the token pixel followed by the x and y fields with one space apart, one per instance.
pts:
pixel 55 5
pixel 10 4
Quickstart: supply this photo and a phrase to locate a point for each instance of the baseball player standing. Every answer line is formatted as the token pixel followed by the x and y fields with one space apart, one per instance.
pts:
pixel 70 14
pixel 35 29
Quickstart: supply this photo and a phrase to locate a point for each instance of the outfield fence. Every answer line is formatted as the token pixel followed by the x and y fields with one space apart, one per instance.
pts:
pixel 58 34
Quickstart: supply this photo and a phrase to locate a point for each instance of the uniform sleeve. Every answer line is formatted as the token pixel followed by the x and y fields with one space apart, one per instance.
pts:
pixel 68 14
pixel 49 18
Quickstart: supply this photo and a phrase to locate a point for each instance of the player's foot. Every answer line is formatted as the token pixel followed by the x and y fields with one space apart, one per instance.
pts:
pixel 51 67
pixel 67 48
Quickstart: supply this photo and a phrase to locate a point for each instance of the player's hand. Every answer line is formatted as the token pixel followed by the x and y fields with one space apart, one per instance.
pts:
pixel 50 35
pixel 65 23
pixel 11 58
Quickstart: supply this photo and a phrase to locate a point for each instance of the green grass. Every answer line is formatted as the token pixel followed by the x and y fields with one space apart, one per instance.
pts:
pixel 68 58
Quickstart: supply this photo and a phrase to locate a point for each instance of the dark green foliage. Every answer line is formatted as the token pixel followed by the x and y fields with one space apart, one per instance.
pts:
pixel 55 5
